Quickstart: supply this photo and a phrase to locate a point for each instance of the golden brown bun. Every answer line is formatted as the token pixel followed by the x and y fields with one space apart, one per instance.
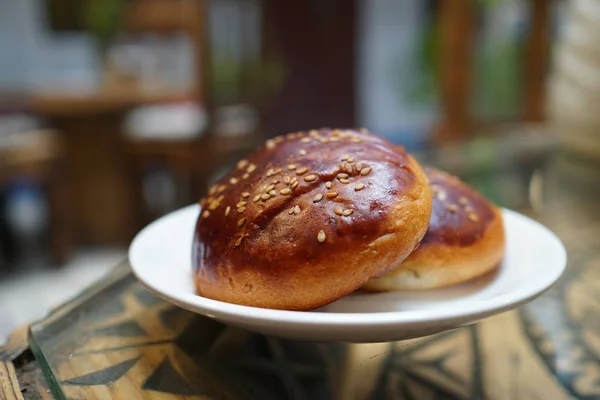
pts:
pixel 291 249
pixel 465 240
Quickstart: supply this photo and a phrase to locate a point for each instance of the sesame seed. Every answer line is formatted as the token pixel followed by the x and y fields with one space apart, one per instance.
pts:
pixel 358 187
pixel 334 139
pixel 345 157
pixel 473 217
pixel 355 140
pixel 338 210
pixel 344 181
pixel 242 164
pixel 297 210
pixel 241 204
pixel 206 213
pixel 285 191
pixel 213 205
pixel 313 132
pixel 294 179
pixel 294 185
pixel 302 171
pixel 265 196
pixel 241 210
pixel 358 166
pixel 463 200
pixel 310 178
pixel 256 198
pixel 238 241
pixel 272 193
pixel 324 140
pixel 291 167
pixel 321 236
pixel 245 176
pixel 277 170
pixel 250 168
pixel 328 185
pixel 212 190
pixel 269 188
pixel 245 195
pixel 350 159
pixel 278 139
pixel 302 152
pixel 335 132
pixel 365 171
pixel 342 166
pixel 451 207
pixel 441 195
pixel 291 211
pixel 233 181
pixel 349 168
pixel 227 210
pixel 306 140
pixel 331 195
pixel 286 180
pixel 341 175
pixel 348 212
pixel 318 198
pixel 291 135
pixel 222 188
pixel 270 144
pixel 241 221
pixel 270 172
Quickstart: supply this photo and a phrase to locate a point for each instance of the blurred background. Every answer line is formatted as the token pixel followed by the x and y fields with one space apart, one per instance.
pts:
pixel 114 112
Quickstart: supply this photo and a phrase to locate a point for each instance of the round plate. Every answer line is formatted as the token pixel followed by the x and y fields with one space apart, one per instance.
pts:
pixel 535 258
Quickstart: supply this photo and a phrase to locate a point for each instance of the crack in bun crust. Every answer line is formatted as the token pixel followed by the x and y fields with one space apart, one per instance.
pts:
pixel 465 240
pixel 308 218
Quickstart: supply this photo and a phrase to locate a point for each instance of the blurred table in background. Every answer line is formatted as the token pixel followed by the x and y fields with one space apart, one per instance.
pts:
pixel 117 340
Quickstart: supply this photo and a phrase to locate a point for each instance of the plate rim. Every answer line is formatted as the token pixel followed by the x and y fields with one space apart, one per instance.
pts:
pixel 242 313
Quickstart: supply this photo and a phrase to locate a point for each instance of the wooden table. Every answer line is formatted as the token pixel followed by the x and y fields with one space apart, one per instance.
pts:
pixel 117 340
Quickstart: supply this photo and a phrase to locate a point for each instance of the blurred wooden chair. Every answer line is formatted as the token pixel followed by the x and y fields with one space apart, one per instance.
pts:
pixel 36 154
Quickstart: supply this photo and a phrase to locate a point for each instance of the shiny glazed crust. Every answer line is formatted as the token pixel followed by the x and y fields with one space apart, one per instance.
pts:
pixel 465 240
pixel 309 218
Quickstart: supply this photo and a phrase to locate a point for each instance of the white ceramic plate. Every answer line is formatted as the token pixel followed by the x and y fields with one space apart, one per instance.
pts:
pixel 535 258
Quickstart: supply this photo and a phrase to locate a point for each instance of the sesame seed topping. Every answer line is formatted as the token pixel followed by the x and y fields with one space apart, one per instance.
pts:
pixel 451 207
pixel 302 152
pixel 241 210
pixel 365 171
pixel 256 198
pixel 212 190
pixel 345 157
pixel 349 168
pixel 306 140
pixel 473 217
pixel 242 164
pixel 269 188
pixel 285 191
pixel 241 204
pixel 245 195
pixel 227 210
pixel 318 198
pixel 463 200
pixel 350 159
pixel 238 241
pixel 313 132
pixel 328 185
pixel 291 211
pixel 270 172
pixel 338 210
pixel 358 166
pixel 334 139
pixel 342 166
pixel 355 140
pixel 341 175
pixel 222 188
pixel 250 168
pixel 213 205
pixel 205 213
pixel 294 185
pixel 278 139
pixel 324 140
pixel 441 195
pixel 233 181
pixel 310 178
pixel 291 167
pixel 348 212
pixel 335 132
pixel 286 180
pixel 241 221
pixel 265 196
pixel 245 176
pixel 294 179
pixel 272 193
pixel 321 236
pixel 344 181
pixel 270 144
pixel 358 187
pixel 331 195
pixel 277 170
pixel 297 209
pixel 302 171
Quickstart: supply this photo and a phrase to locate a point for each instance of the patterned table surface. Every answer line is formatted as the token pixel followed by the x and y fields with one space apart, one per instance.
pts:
pixel 117 340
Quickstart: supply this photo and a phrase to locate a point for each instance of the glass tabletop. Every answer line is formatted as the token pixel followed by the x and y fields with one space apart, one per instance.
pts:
pixel 117 340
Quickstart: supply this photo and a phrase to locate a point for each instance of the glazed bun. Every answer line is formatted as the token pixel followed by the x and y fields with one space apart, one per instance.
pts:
pixel 465 240
pixel 309 218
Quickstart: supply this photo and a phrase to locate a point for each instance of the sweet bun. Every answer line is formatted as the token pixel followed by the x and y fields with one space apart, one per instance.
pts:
pixel 309 218
pixel 465 240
